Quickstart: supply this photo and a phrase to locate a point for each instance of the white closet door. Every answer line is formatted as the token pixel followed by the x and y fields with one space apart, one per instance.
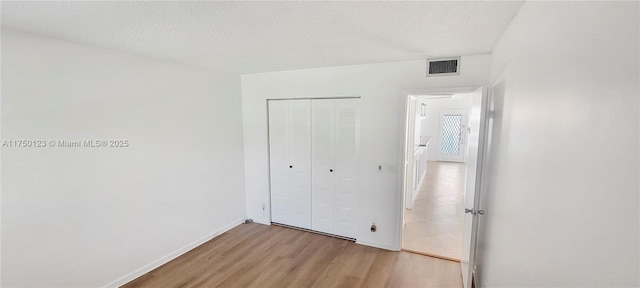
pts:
pixel 322 151
pixel 279 161
pixel 347 138
pixel 300 162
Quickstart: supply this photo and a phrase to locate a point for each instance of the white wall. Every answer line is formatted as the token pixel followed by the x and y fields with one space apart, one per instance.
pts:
pixel 430 125
pixel 382 104
pixel 87 217
pixel 562 200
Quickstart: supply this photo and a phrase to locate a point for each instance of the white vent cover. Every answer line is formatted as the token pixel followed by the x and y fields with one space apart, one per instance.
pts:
pixel 443 66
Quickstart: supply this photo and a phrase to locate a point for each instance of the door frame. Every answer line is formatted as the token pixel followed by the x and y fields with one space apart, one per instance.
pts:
pixel 404 125
pixel 407 164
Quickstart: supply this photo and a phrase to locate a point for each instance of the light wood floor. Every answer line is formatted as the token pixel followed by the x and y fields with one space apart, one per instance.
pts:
pixel 435 223
pixel 254 255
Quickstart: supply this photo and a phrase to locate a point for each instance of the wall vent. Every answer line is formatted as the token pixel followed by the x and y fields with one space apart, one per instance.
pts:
pixel 443 66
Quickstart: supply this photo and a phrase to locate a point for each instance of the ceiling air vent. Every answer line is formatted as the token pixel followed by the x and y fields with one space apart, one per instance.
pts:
pixel 443 66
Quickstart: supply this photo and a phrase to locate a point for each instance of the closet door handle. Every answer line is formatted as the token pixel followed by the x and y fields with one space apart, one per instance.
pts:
pixel 330 170
pixel 290 166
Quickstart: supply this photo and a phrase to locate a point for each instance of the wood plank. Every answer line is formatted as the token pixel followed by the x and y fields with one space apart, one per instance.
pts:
pixel 254 255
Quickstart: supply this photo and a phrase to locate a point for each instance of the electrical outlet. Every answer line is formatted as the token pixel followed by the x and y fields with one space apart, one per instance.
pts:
pixel 374 228
pixel 264 207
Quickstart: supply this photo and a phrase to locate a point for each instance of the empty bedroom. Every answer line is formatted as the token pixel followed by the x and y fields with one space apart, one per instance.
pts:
pixel 319 144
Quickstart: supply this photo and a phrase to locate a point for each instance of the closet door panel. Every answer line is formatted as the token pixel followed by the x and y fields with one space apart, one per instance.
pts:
pixel 347 138
pixel 300 160
pixel 322 151
pixel 279 162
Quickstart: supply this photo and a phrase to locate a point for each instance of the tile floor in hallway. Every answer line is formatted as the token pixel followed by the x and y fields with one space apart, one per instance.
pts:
pixel 435 223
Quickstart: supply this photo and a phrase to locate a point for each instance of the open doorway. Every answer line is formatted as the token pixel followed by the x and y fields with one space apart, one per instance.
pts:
pixel 442 170
pixel 434 212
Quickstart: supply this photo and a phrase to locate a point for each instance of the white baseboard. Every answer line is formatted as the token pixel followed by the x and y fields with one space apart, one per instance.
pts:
pixel 386 246
pixel 155 264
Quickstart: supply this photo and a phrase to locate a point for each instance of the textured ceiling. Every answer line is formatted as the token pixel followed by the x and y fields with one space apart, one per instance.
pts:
pixel 247 37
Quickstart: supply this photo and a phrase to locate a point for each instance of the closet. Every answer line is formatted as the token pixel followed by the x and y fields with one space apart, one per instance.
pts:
pixel 290 162
pixel 313 148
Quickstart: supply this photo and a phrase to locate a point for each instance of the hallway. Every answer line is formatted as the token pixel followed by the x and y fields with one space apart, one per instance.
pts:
pixel 434 225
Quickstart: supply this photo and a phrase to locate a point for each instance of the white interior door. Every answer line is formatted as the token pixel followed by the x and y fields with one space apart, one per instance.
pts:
pixel 322 155
pixel 453 134
pixel 347 127
pixel 476 140
pixel 279 162
pixel 300 162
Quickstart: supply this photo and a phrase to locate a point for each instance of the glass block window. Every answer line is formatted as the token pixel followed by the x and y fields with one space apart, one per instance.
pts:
pixel 451 134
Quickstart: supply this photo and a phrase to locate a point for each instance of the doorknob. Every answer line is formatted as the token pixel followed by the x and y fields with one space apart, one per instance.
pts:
pixel 290 166
pixel 330 170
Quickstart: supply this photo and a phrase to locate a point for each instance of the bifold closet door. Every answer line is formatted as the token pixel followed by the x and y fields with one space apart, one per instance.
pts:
pixel 279 161
pixel 300 161
pixel 347 142
pixel 290 162
pixel 322 151
pixel 335 140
